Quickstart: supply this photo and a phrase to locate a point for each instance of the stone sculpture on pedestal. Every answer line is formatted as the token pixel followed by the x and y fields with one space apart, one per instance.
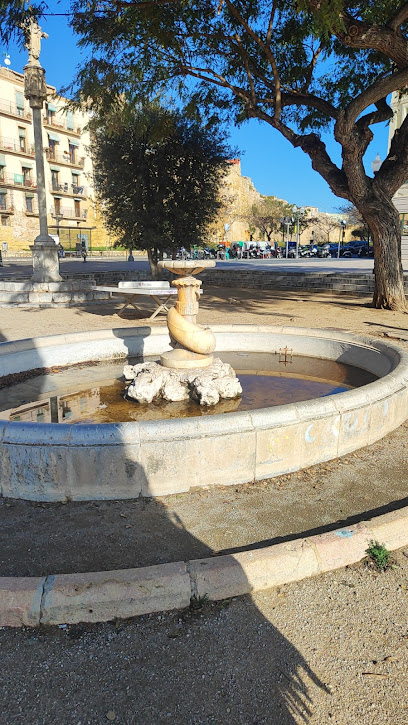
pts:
pixel 189 370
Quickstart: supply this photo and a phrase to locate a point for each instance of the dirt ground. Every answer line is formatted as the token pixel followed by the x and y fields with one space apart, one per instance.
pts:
pixel 217 305
pixel 331 649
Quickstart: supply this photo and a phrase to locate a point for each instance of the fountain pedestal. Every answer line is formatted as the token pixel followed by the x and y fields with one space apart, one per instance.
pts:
pixel 193 344
pixel 189 369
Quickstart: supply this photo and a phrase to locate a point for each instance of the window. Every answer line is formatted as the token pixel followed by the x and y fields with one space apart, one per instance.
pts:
pixel 29 204
pixel 20 103
pixel 75 183
pixel 50 113
pixel 70 121
pixel 51 148
pixel 55 179
pixel 72 153
pixel 77 207
pixel 3 202
pixel 22 138
pixel 27 181
pixel 2 175
pixel 57 206
pixel 4 221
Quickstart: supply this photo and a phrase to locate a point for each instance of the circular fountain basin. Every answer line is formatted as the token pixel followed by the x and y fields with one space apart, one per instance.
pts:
pixel 52 462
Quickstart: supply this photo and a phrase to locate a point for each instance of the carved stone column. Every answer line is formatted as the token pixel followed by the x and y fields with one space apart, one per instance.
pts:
pixel 44 249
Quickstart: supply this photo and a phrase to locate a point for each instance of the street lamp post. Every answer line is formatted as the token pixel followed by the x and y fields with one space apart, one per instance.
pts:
pixel 286 221
pixel 44 249
pixel 343 225
pixel 299 210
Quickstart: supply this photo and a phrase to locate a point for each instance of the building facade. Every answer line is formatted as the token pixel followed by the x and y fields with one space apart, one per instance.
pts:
pixel 400 109
pixel 71 207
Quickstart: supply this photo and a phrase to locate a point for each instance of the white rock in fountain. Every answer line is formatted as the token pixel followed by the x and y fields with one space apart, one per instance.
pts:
pixel 206 386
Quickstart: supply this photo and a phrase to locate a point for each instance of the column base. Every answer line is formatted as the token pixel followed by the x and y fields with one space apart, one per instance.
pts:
pixel 181 359
pixel 45 260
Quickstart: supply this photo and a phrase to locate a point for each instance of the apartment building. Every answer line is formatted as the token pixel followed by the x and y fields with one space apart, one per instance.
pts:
pixel 71 204
pixel 400 199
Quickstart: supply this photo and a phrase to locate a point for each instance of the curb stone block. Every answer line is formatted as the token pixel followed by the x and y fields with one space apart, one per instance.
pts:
pixel 20 601
pixel 227 576
pixel 101 596
pixel 391 529
pixel 341 547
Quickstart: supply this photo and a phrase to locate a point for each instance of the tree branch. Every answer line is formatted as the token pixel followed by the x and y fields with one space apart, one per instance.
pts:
pixel 314 147
pixel 359 34
pixel 399 17
pixel 394 170
pixel 383 113
pixel 374 93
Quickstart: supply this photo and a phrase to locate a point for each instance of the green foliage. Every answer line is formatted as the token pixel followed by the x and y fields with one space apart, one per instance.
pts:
pixel 379 555
pixel 198 603
pixel 158 176
pixel 266 214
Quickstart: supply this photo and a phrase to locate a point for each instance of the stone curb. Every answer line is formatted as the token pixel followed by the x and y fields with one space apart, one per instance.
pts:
pixel 102 596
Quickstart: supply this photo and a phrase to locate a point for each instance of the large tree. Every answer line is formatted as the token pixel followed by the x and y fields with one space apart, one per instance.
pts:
pixel 158 175
pixel 299 66
pixel 266 214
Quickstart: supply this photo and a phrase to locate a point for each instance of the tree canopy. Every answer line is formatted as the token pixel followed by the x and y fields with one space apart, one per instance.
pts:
pixel 158 175
pixel 266 215
pixel 299 66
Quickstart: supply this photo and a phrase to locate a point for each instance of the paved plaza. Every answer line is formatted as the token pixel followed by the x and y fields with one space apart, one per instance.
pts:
pixel 23 267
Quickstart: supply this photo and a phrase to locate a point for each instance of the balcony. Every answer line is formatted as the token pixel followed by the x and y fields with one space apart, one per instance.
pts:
pixel 64 158
pixel 60 124
pixel 10 109
pixel 18 181
pixel 67 213
pixel 68 190
pixel 13 147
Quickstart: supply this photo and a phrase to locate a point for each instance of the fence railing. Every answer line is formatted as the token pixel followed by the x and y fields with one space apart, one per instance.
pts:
pixel 64 158
pixel 9 144
pixel 69 189
pixel 17 180
pixel 13 109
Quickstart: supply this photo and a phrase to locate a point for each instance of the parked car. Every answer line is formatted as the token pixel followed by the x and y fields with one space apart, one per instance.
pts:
pixel 344 252
pixel 366 250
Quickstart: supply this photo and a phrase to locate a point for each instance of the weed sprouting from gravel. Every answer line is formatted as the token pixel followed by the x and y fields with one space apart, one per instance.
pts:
pixel 379 554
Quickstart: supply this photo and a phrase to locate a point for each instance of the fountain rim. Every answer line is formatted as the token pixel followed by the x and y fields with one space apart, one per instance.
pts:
pixel 390 383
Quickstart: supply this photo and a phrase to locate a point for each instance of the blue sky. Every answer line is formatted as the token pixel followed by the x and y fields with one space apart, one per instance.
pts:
pixel 274 166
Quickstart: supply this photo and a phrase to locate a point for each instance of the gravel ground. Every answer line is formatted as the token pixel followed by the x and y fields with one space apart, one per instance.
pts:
pixel 331 649
pixel 49 538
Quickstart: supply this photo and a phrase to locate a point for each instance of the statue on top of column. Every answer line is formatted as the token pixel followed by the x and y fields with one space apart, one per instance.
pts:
pixel 34 43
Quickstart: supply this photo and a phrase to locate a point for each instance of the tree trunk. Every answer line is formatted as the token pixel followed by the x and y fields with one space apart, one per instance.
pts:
pixel 383 220
pixel 154 256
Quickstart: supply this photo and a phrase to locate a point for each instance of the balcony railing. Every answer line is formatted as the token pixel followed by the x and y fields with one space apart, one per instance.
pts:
pixel 68 189
pixel 61 123
pixel 9 144
pixel 64 158
pixel 67 213
pixel 13 110
pixel 21 182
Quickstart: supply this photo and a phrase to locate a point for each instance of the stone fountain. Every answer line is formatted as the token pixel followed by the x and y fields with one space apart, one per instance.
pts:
pixel 189 369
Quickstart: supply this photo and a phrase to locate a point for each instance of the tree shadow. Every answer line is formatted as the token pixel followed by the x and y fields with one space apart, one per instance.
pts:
pixel 239 657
